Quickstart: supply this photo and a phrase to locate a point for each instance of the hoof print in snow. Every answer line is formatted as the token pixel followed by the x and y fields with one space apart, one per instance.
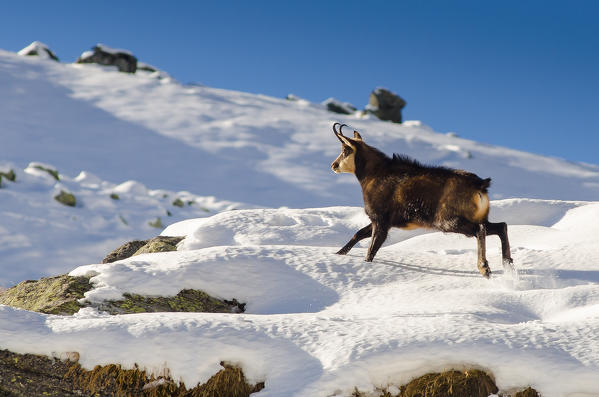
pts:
pixel 35 375
pixel 137 247
pixel 66 198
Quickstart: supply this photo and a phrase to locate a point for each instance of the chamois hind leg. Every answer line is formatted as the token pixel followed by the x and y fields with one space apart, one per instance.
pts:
pixel 379 235
pixel 483 265
pixel 360 235
pixel 500 229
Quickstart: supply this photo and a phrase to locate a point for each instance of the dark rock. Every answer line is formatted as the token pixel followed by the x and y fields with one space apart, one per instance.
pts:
pixel 38 49
pixel 9 175
pixel 66 198
pixel 103 55
pixel 124 251
pixel 386 105
pixel 336 106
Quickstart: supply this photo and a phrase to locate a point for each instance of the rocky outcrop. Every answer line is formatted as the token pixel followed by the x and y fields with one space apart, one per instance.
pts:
pixel 386 105
pixel 104 55
pixel 65 294
pixel 38 49
pixel 335 106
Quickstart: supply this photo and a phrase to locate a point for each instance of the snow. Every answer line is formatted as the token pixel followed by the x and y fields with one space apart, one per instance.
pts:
pixel 265 220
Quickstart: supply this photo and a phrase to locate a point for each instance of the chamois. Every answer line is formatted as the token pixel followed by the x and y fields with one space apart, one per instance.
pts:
pixel 401 192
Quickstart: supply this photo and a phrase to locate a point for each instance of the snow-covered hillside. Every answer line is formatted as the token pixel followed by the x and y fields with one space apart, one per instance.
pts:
pixel 134 149
pixel 232 145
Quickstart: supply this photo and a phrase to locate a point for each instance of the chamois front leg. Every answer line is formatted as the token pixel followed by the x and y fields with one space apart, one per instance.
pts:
pixel 379 235
pixel 360 235
pixel 483 265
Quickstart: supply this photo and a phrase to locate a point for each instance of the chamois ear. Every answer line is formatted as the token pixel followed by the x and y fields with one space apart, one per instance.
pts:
pixel 357 136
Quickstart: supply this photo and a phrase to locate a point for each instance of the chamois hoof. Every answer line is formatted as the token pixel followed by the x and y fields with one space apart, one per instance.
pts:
pixel 484 269
pixel 342 251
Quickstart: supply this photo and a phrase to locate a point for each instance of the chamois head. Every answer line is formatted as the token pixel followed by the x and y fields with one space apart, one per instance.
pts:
pixel 346 161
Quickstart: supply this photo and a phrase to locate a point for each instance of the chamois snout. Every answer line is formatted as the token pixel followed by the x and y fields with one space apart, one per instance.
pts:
pixel 335 167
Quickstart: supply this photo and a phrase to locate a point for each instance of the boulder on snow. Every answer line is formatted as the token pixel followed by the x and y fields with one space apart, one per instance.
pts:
pixel 335 106
pixel 137 247
pixel 38 49
pixel 386 105
pixel 66 198
pixel 104 55
pixel 51 295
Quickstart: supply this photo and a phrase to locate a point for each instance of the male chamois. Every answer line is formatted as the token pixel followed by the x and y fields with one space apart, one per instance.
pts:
pixel 401 192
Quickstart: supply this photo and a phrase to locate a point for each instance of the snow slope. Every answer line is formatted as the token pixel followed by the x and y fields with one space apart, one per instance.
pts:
pixel 232 145
pixel 317 324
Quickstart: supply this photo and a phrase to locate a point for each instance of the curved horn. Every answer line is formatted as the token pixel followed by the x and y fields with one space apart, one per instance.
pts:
pixel 341 127
pixel 335 129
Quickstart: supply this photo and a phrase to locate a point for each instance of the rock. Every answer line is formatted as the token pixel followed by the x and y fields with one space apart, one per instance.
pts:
pixel 178 203
pixel 528 392
pixel 51 295
pixel 104 55
pixel 9 175
pixel 159 244
pixel 50 170
pixel 124 251
pixel 38 49
pixel 66 198
pixel 335 106
pixel 386 105
pixel 157 223
pixel 187 300
pixel 136 247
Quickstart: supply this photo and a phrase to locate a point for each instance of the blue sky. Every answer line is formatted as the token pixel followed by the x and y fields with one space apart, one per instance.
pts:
pixel 522 74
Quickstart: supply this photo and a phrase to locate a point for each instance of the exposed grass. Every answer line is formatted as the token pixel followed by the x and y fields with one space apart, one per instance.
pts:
pixel 469 383
pixel 25 375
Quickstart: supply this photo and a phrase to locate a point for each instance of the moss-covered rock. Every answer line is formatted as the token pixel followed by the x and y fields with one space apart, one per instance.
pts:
pixel 8 175
pixel 62 295
pixel 25 375
pixel 51 171
pixel 157 223
pixel 136 247
pixel 188 300
pixel 66 198
pixel 159 244
pixel 51 295
pixel 178 203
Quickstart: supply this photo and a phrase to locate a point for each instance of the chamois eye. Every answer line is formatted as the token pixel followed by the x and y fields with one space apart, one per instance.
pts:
pixel 346 150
